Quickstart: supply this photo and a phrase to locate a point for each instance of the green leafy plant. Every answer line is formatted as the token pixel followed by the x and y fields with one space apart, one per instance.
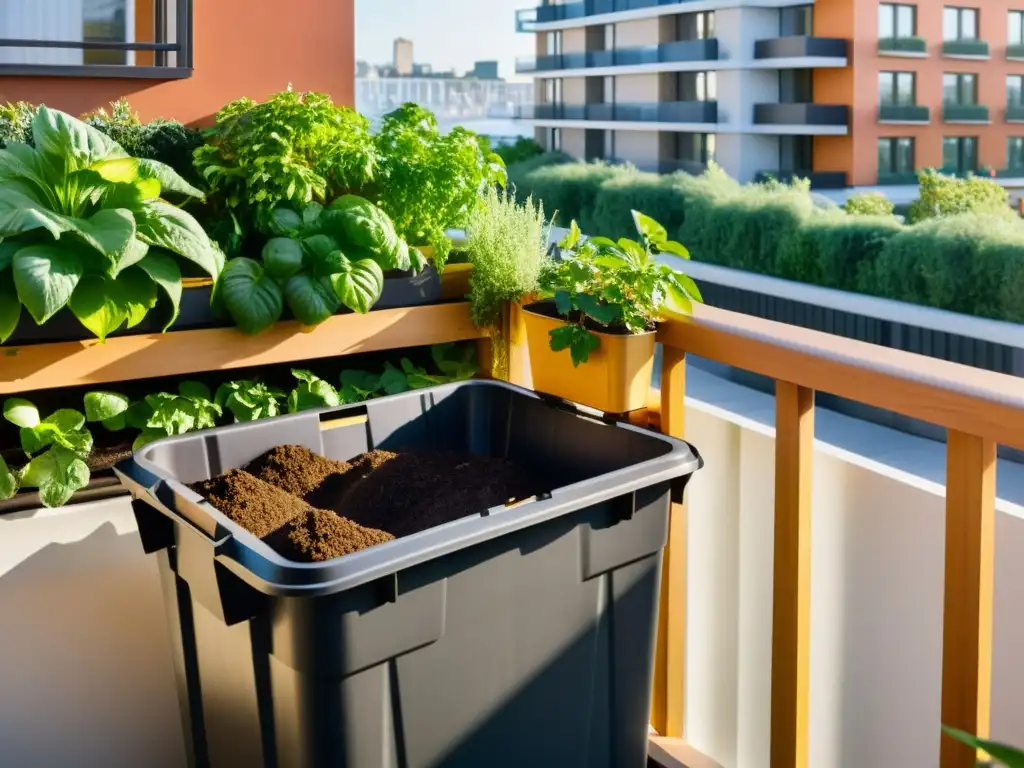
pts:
pixel 429 181
pixel 107 408
pixel 311 392
pixel 294 147
pixel 164 414
pixel 940 195
pixel 321 260
pixel 869 204
pixel 620 285
pixel 56 447
pixel 523 149
pixel 1006 755
pixel 83 226
pixel 16 122
pixel 454 362
pixel 250 400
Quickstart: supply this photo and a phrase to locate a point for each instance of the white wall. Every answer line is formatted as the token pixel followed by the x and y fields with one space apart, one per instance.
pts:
pixel 637 89
pixel 639 33
pixel 641 148
pixel 574 142
pixel 574 90
pixel 743 155
pixel 574 40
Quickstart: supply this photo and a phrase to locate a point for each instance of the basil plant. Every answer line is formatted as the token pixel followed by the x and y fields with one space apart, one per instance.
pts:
pixel 83 225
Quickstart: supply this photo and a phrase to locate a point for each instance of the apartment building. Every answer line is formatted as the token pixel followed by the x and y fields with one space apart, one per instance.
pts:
pixel 846 92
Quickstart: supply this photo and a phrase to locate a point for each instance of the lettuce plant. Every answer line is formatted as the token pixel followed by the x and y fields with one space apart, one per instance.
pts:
pixel 56 447
pixel 83 226
pixel 600 282
pixel 249 400
pixel 311 392
pixel 320 260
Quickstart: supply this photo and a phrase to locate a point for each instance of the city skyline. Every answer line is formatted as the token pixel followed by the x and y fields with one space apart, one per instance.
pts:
pixel 438 41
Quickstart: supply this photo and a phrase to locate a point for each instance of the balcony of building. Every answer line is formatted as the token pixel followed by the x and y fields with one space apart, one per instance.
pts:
pixel 802 46
pixel 676 52
pixel 702 112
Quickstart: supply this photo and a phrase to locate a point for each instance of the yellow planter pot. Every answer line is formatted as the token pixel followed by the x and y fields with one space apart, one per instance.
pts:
pixel 455 281
pixel 616 379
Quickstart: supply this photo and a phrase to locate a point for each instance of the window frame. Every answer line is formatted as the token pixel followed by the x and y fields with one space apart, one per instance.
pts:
pixel 1019 25
pixel 1020 152
pixel 961 78
pixel 961 11
pixel 1020 90
pixel 895 76
pixel 961 143
pixel 894 143
pixel 894 9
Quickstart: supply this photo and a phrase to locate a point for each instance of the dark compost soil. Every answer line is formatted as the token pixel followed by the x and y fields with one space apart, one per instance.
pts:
pixel 310 508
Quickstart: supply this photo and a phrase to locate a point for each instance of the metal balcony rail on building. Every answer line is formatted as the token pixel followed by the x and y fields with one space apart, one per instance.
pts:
pixel 703 112
pixel 677 51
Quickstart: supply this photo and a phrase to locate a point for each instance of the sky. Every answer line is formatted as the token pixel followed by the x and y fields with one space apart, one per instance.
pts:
pixel 446 34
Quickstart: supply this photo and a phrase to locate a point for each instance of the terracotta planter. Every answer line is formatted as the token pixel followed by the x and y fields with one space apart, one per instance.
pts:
pixel 616 379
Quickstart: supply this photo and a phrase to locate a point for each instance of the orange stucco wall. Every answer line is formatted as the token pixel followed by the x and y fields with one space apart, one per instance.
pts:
pixel 240 48
pixel 857 85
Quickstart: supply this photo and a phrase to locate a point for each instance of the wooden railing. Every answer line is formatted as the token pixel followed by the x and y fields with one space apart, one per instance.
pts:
pixel 979 409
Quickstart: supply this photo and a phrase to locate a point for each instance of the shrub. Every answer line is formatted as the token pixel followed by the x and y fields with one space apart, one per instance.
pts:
pixel 968 263
pixel 16 123
pixel 941 195
pixel 869 204
pixel 523 149
pixel 568 190
pixel 519 173
pixel 837 250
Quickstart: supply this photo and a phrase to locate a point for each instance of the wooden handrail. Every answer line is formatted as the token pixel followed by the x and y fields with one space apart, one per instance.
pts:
pixel 979 409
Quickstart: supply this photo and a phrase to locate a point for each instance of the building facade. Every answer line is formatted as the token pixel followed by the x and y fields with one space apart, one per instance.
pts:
pixel 846 92
pixel 403 60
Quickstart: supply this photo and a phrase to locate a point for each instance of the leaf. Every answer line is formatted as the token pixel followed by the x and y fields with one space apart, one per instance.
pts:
pixel 602 242
pixel 163 225
pixel 21 212
pixel 138 414
pixel 164 272
pixel 633 251
pixel 321 250
pixel 97 306
pixel 578 340
pixel 66 420
pixel 195 390
pixel 571 238
pixel 79 441
pixel 116 424
pixel 312 392
pixel 70 144
pixel 102 405
pixel 393 381
pixel 134 252
pixel 57 474
pixel 310 300
pixel 7 251
pixel 282 257
pixel 21 413
pixel 649 228
pixel 676 249
pixel 611 261
pixel 109 231
pixel 284 221
pixel 8 481
pixel 1009 756
pixel 599 311
pixel 119 169
pixel 311 214
pixel 168 178
pixel 252 297
pixel 360 285
pixel 45 277
pixel 10 306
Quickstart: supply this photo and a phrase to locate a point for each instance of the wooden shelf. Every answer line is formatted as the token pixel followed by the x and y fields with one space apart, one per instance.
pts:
pixel 123 358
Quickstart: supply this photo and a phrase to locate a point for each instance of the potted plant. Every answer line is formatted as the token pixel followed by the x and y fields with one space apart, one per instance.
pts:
pixel 601 301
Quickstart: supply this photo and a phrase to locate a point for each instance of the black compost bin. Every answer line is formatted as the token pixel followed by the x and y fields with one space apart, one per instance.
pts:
pixel 518 636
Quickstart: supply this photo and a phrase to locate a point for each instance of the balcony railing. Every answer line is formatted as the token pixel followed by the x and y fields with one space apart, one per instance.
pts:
pixel 579 10
pixel 801 46
pixel 1015 113
pixel 682 50
pixel 801 114
pixel 526 20
pixel 904 113
pixel 653 112
pixel 818 179
pixel 1015 51
pixel 894 179
pixel 914 45
pixel 979 410
pixel 965 113
pixel 167 56
pixel 974 48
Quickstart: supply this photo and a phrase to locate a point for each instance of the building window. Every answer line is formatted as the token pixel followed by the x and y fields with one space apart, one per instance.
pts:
pixel 960 154
pixel 896 21
pixel 695 147
pixel 554 43
pixel 553 91
pixel 609 144
pixel 959 88
pixel 797 21
pixel 895 156
pixel 959 23
pixel 796 153
pixel 555 142
pixel 609 37
pixel 1015 28
pixel 695 26
pixel 608 90
pixel 1015 153
pixel 1015 90
pixel 696 86
pixel 897 88
pixel 796 86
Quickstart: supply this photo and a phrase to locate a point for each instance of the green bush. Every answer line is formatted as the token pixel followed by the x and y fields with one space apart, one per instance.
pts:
pixel 940 195
pixel 568 189
pixel 16 123
pixel 524 149
pixel 837 250
pixel 970 264
pixel 869 204
pixel 519 173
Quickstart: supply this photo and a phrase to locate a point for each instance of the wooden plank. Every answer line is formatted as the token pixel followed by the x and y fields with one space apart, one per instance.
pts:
pixel 46 366
pixel 676 753
pixel 967 618
pixel 668 699
pixel 959 397
pixel 791 601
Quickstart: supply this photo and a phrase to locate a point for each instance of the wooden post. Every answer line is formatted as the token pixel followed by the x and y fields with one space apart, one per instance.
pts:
pixel 794 446
pixel 668 699
pixel 967 618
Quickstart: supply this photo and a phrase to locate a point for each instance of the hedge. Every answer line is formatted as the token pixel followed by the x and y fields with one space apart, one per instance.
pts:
pixel 971 263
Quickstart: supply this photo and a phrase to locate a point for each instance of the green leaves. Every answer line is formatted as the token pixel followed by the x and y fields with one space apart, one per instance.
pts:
pixel 8 481
pixel 164 272
pixel 103 305
pixel 163 225
pixel 578 340
pixel 311 392
pixel 168 178
pixel 357 221
pixel 69 144
pixel 10 305
pixel 252 297
pixel 110 408
pixel 282 257
pixel 249 400
pixel 648 228
pixel 311 300
pixel 45 276
pixel 21 413
pixel 359 284
pixel 1009 756
pixel 57 474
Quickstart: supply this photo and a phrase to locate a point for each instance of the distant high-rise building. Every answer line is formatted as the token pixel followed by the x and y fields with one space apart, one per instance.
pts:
pixel 486 70
pixel 422 70
pixel 403 56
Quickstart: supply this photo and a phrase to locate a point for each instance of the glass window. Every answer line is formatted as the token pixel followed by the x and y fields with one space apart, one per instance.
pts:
pixel 960 154
pixel 959 23
pixel 896 20
pixel 1015 90
pixel 695 26
pixel 608 97
pixel 796 21
pixel 1015 28
pixel 556 140
pixel 553 91
pixel 706 25
pixel 796 86
pixel 1015 152
pixel 959 88
pixel 707 86
pixel 609 144
pixel 896 88
pixel 895 155
pixel 609 37
pixel 104 21
pixel 554 43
